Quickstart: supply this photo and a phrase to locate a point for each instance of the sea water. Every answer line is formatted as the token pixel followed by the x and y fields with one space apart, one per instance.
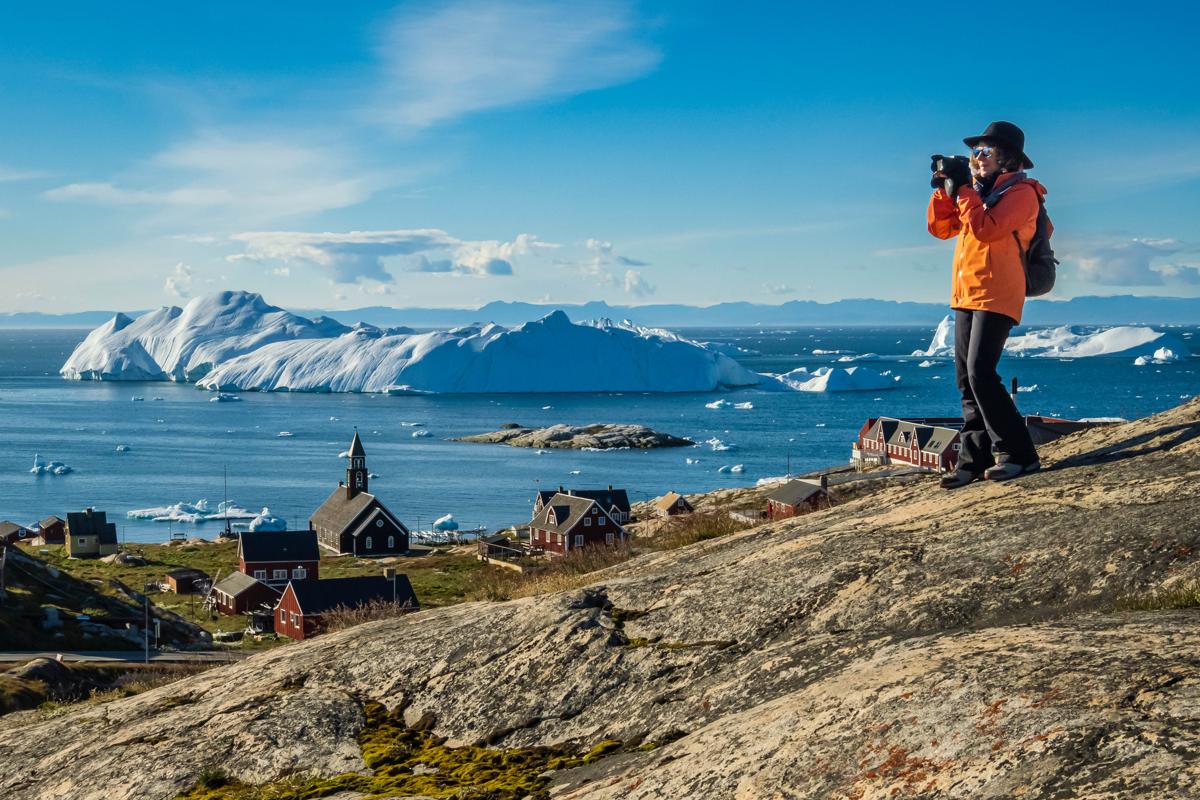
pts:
pixel 177 446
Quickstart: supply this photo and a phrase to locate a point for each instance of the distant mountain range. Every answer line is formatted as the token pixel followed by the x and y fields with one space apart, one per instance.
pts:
pixel 1113 310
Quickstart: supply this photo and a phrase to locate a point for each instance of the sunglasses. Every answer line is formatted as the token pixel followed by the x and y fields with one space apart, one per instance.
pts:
pixel 982 152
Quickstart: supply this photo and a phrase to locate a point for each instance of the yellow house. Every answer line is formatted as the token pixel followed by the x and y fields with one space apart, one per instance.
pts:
pixel 90 534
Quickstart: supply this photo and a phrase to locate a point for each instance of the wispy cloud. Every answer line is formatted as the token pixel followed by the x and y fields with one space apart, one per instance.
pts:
pixel 14 174
pixel 179 282
pixel 635 285
pixel 779 288
pixel 475 55
pixel 358 256
pixel 1125 263
pixel 599 268
pixel 246 179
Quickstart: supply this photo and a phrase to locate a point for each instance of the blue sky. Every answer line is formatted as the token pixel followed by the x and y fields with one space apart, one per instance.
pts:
pixel 449 154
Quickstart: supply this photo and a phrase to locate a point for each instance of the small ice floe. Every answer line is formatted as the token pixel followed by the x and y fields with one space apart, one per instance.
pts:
pixel 344 454
pixel 122 448
pixel 337 419
pixel 222 397
pixel 81 429
pixel 372 475
pixel 744 406
pixel 137 399
pixel 266 521
pixel 284 434
pixel 1163 355
pixel 542 452
pixel 691 460
pixel 547 408
pixel 402 389
pixel 717 404
pixel 48 467
pixel 737 468
pixel 421 434
pixel 927 363
pixel 937 377
pixel 1030 388
pixel 716 445
pixel 156 399
pixel 724 468
pixel 819 425
pixel 412 424
pixel 574 472
pixel 446 523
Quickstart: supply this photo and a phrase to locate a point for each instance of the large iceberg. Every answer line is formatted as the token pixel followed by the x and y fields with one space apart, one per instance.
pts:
pixel 236 341
pixel 184 344
pixel 1068 341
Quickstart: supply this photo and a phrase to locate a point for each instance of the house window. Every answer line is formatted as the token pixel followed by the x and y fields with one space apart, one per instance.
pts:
pixel 299 573
pixel 391 542
pixel 957 447
pixel 358 480
pixel 558 537
pixel 260 574
pixel 283 616
pixel 295 619
pixel 608 538
pixel 279 575
pixel 82 542
pixel 369 543
pixel 579 540
pixel 587 522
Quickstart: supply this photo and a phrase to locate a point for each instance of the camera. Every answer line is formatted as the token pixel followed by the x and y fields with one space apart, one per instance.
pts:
pixel 957 170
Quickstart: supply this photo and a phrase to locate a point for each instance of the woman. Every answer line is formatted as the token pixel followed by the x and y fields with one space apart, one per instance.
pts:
pixel 984 208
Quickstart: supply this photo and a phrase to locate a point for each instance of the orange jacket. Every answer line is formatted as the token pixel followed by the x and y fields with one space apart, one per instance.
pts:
pixel 988 274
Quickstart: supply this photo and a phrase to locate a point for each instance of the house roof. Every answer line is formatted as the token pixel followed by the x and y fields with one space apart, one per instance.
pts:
pixel 7 527
pixel 369 518
pixel 184 573
pixel 50 520
pixel 338 511
pixel 607 498
pixel 567 510
pixel 356 447
pixel 669 499
pixel 237 583
pixel 92 523
pixel 317 597
pixel 795 492
pixel 278 546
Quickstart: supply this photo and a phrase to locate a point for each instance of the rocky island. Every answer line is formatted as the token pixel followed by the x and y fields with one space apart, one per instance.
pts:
pixel 1035 638
pixel 601 436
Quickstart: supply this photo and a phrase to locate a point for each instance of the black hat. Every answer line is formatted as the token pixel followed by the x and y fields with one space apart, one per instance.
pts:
pixel 1005 134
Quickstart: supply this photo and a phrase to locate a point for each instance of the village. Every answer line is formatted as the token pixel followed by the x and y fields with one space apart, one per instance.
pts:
pixel 357 559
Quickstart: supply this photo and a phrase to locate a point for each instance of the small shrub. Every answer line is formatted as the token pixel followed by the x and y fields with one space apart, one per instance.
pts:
pixel 346 617
pixel 212 778
pixel 1184 596
pixel 688 529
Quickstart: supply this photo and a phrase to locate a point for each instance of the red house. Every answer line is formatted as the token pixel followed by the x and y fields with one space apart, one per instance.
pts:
pixel 11 533
pixel 929 443
pixel 568 522
pixel 52 530
pixel 300 612
pixel 238 593
pixel 795 497
pixel 614 501
pixel 276 557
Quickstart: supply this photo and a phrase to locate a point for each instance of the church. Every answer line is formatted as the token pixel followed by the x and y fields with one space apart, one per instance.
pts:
pixel 353 521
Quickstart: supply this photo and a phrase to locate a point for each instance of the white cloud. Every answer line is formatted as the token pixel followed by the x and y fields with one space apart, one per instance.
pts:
pixel 235 177
pixel 14 174
pixel 179 282
pixel 635 285
pixel 473 55
pixel 282 272
pixel 1181 273
pixel 358 256
pixel 1125 263
pixel 779 288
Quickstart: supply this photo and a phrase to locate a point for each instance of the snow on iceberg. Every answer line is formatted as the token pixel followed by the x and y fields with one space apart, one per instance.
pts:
pixel 183 344
pixel 943 339
pixel 832 379
pixel 446 523
pixel 237 341
pixel 266 521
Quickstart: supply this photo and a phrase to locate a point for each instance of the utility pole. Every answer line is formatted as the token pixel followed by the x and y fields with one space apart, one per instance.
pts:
pixel 3 564
pixel 146 622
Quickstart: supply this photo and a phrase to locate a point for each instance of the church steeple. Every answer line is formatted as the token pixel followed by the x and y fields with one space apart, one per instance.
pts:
pixel 356 472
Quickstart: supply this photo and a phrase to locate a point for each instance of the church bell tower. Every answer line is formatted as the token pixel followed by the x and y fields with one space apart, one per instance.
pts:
pixel 356 472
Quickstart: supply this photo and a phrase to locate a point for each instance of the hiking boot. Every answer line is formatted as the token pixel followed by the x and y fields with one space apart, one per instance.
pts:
pixel 1004 470
pixel 958 478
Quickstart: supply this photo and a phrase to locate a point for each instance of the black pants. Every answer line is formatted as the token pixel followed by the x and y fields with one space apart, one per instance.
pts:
pixel 991 423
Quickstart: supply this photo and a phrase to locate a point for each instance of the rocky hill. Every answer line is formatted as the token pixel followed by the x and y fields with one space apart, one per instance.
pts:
pixel 601 436
pixel 911 642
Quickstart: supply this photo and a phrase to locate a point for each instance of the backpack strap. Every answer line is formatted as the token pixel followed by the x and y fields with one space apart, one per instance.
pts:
pixel 1041 205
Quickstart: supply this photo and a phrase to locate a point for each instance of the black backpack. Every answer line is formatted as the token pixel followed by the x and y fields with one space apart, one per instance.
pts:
pixel 1038 260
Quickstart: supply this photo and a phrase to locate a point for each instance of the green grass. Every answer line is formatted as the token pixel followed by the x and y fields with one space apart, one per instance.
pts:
pixel 1186 595
pixel 406 762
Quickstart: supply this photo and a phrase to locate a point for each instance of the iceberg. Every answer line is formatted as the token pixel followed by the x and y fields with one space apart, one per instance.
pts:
pixel 1068 341
pixel 1163 355
pixel 122 448
pixel 266 521
pixel 193 513
pixel 832 379
pixel 421 433
pixel 744 406
pixel 926 363
pixel 184 344
pixel 446 523
pixel 222 397
pixel 48 467
pixel 237 341
pixel 717 404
